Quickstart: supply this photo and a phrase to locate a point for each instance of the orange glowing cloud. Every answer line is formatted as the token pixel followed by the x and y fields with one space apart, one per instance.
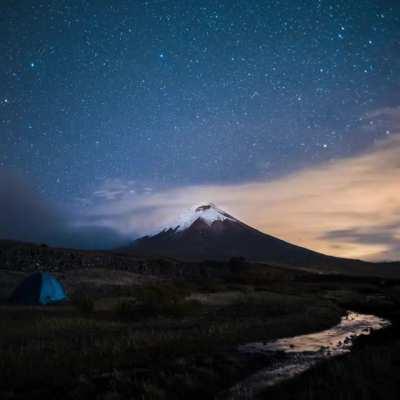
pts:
pixel 347 207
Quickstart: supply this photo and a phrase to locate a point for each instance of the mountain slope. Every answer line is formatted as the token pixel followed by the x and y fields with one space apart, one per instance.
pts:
pixel 210 233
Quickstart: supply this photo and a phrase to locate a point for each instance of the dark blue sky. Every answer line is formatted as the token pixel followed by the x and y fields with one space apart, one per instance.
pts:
pixel 152 95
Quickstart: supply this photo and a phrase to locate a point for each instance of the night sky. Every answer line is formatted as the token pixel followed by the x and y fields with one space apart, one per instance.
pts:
pixel 144 97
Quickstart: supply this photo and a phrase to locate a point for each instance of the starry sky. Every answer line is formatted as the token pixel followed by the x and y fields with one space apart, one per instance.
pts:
pixel 102 100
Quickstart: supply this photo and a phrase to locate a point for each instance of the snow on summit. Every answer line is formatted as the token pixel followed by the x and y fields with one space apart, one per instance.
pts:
pixel 208 213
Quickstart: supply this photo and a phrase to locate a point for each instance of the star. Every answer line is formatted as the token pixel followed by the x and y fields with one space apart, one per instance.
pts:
pixel 139 94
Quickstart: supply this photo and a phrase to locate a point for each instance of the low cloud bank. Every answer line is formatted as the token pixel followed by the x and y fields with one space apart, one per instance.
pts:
pixel 346 207
pixel 26 216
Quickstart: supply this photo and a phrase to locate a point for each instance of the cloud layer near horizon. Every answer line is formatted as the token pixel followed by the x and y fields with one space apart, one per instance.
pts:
pixel 26 216
pixel 347 207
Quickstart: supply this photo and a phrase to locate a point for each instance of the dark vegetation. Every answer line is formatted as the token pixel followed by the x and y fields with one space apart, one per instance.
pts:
pixel 28 257
pixel 131 331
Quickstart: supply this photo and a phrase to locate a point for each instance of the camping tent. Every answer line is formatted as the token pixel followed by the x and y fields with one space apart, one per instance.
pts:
pixel 39 288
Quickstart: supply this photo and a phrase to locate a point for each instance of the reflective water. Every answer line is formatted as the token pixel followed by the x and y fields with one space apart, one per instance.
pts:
pixel 302 352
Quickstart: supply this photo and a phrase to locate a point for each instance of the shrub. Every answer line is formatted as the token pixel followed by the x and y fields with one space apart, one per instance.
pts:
pixel 84 304
pixel 238 264
pixel 156 301
pixel 126 309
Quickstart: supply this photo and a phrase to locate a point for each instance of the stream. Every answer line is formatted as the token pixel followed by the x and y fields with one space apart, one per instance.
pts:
pixel 300 353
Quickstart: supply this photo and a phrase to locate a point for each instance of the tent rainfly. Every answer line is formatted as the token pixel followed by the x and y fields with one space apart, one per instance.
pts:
pixel 39 288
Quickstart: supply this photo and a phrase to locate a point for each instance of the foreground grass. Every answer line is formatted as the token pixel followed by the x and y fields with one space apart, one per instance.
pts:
pixel 175 339
pixel 159 343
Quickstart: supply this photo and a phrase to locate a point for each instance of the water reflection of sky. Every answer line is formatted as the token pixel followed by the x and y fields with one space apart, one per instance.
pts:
pixel 304 351
pixel 335 340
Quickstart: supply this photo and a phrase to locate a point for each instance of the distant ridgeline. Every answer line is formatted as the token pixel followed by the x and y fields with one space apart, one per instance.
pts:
pixel 28 257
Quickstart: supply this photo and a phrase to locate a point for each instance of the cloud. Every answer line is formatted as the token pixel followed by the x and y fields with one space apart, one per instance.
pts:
pixel 386 113
pixel 26 216
pixel 23 214
pixel 385 236
pixel 114 189
pixel 348 207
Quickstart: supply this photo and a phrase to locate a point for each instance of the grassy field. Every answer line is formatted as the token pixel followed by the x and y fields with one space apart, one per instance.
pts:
pixel 127 336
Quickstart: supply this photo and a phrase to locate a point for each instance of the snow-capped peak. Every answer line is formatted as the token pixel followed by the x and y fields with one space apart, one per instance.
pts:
pixel 209 213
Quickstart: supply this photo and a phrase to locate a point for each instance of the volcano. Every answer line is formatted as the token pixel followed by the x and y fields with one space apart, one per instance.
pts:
pixel 210 233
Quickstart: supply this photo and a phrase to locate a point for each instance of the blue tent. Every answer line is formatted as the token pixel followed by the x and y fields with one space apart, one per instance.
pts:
pixel 39 288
